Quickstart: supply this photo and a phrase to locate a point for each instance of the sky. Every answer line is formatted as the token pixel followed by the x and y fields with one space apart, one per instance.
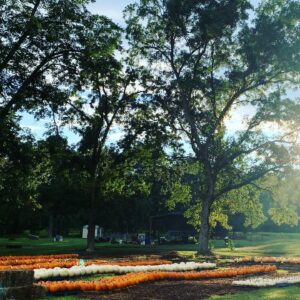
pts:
pixel 114 10
pixel 110 8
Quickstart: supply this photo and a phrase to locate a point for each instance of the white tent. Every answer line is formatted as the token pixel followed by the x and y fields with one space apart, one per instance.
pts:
pixel 98 231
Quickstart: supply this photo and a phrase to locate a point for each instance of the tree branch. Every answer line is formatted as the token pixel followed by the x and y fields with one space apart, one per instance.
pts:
pixel 22 38
pixel 251 177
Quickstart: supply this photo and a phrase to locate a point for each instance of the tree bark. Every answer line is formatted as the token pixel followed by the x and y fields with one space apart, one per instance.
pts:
pixel 205 212
pixel 204 229
pixel 92 219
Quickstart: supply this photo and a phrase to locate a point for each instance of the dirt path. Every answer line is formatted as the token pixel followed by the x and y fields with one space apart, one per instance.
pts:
pixel 169 290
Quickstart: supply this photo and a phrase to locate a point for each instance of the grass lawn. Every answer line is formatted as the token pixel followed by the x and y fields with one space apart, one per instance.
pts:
pixel 262 244
pixel 265 244
pixel 288 293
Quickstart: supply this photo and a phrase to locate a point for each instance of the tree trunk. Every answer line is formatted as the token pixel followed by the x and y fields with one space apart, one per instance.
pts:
pixel 206 205
pixel 92 219
pixel 204 230
pixel 91 232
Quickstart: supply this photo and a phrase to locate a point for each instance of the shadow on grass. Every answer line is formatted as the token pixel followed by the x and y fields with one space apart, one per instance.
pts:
pixel 288 293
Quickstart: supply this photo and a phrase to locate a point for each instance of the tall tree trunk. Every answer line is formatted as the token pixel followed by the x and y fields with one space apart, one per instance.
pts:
pixel 92 219
pixel 204 229
pixel 205 212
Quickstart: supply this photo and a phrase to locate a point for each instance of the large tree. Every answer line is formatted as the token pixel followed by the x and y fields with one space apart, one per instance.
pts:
pixel 209 60
pixel 104 95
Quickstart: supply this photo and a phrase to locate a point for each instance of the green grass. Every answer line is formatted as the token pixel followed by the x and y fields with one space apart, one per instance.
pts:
pixel 288 293
pixel 41 246
pixel 264 244
pixel 77 245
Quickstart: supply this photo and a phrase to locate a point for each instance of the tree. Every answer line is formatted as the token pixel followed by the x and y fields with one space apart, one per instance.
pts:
pixel 60 191
pixel 209 59
pixel 183 194
pixel 18 180
pixel 284 198
pixel 104 94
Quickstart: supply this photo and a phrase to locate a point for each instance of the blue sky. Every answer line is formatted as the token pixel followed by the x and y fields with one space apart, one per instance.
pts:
pixel 112 9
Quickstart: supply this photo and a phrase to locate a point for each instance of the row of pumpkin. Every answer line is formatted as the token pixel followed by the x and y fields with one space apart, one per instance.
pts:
pixel 31 264
pixel 102 269
pixel 129 263
pixel 37 257
pixel 38 265
pixel 130 279
pixel 264 282
pixel 269 260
